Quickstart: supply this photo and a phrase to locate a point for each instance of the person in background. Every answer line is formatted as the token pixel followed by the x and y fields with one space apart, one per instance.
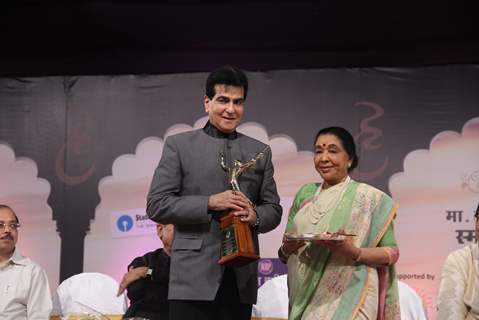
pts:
pixel 24 289
pixel 147 280
pixel 458 297
pixel 349 273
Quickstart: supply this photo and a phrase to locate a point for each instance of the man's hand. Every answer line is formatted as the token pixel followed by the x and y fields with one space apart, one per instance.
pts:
pixel 233 200
pixel 132 275
pixel 247 215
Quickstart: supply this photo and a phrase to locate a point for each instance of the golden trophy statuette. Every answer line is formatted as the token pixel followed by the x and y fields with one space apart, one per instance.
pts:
pixel 237 246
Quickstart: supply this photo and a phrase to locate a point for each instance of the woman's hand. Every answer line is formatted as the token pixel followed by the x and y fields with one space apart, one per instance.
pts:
pixel 345 247
pixel 290 246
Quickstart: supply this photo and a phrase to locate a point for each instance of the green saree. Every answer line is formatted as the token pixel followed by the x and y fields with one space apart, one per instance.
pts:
pixel 325 286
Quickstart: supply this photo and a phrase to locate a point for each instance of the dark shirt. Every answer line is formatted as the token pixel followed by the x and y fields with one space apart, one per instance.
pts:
pixel 149 296
pixel 212 131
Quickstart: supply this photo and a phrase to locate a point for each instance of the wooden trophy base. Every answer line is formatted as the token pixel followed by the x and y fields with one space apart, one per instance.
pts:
pixel 237 247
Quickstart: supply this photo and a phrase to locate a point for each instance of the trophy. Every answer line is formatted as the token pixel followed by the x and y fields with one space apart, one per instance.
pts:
pixel 237 246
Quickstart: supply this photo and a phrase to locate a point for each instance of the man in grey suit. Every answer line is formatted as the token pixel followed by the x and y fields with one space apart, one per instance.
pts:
pixel 190 190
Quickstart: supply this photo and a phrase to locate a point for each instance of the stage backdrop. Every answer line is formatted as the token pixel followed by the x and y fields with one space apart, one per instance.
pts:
pixel 78 153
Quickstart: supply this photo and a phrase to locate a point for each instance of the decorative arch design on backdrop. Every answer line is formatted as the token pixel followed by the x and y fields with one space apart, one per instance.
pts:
pixel 81 131
pixel 27 194
pixel 437 192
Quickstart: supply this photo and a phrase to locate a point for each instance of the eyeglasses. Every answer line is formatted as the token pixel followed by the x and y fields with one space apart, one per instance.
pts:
pixel 12 226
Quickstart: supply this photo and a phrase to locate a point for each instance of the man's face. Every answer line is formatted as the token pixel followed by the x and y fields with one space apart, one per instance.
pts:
pixel 165 232
pixel 225 109
pixel 8 236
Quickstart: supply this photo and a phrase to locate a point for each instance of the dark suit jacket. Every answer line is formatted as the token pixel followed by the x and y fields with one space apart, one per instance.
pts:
pixel 188 173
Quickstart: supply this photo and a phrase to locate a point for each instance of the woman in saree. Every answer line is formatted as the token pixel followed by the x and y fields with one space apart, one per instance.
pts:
pixel 352 278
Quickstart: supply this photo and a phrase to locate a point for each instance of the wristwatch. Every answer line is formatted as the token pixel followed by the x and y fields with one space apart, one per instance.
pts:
pixel 149 273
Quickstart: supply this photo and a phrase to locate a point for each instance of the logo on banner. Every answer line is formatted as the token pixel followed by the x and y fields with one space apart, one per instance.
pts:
pixel 134 222
pixel 370 138
pixel 270 268
pixel 124 223
pixel 265 266
pixel 471 181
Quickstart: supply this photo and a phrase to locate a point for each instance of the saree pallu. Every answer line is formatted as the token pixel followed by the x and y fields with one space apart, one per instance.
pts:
pixel 327 286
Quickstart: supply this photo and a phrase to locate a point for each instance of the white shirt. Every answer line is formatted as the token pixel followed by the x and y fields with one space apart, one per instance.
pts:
pixel 411 305
pixel 24 290
pixel 458 296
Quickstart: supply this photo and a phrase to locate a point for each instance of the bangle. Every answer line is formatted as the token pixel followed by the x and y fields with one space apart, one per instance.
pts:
pixel 358 257
pixel 392 254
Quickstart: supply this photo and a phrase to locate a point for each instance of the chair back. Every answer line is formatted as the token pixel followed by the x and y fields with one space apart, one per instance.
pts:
pixel 89 292
pixel 272 302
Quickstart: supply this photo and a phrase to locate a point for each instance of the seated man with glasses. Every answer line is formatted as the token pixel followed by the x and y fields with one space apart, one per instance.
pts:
pixel 24 290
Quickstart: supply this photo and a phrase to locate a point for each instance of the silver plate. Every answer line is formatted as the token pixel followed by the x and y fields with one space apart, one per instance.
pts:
pixel 316 237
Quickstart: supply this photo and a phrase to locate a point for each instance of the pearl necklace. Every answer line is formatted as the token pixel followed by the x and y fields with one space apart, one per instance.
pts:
pixel 322 207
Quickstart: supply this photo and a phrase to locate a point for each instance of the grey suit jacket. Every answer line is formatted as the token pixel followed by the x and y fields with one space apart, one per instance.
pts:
pixel 188 173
